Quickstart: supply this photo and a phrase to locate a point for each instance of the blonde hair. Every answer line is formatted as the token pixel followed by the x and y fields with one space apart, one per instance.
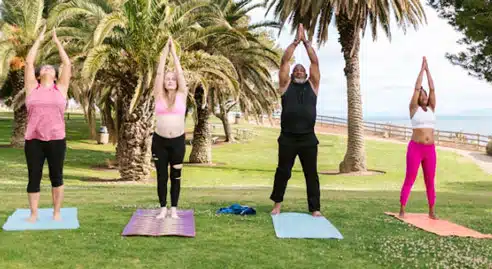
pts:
pixel 166 91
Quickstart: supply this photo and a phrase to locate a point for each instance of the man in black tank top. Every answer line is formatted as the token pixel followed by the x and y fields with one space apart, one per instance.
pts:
pixel 298 118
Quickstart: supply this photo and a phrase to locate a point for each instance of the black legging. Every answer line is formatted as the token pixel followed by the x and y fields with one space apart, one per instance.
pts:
pixel 167 151
pixel 36 152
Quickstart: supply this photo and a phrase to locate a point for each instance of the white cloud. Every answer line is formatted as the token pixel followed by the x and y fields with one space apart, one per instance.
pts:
pixel 389 70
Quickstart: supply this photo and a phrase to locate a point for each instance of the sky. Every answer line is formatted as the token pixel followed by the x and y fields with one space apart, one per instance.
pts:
pixel 389 70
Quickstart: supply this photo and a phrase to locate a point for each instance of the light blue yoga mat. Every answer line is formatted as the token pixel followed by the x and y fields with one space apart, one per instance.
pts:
pixel 17 221
pixel 299 225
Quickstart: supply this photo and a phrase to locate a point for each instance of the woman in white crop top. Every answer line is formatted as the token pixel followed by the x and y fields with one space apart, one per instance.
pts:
pixel 422 108
pixel 421 150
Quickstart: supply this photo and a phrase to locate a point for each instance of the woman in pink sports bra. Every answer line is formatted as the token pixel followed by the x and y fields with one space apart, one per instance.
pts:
pixel 46 98
pixel 421 149
pixel 168 141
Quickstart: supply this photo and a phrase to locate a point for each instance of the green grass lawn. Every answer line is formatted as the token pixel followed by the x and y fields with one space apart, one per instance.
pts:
pixel 354 204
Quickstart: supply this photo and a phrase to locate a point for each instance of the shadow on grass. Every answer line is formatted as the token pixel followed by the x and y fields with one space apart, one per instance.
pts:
pixel 225 167
pixel 325 145
pixel 211 165
pixel 369 172
pixel 102 180
pixel 230 168
pixel 76 158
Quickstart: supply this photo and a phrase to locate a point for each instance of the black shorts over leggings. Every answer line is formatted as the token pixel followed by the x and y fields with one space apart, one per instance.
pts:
pixel 36 152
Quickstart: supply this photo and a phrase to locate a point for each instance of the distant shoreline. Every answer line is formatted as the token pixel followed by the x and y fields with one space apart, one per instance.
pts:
pixel 467 124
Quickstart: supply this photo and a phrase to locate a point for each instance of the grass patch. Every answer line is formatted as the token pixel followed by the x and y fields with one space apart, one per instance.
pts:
pixel 355 205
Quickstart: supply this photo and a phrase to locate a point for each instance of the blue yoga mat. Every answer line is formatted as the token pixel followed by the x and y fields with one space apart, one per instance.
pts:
pixel 299 225
pixel 17 221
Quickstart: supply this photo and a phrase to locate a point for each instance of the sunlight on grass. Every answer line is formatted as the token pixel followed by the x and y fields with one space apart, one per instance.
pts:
pixel 354 204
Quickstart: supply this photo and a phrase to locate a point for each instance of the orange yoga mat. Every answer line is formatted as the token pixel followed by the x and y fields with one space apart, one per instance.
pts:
pixel 439 227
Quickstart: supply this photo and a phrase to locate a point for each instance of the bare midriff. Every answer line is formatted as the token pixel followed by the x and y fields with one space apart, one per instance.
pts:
pixel 423 135
pixel 170 125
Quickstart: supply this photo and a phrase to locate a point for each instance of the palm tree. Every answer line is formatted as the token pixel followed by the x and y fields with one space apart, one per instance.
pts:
pixel 250 56
pixel 20 26
pixel 78 29
pixel 351 19
pixel 125 43
pixel 203 68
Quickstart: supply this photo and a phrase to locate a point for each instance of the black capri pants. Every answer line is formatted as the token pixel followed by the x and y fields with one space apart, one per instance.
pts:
pixel 36 152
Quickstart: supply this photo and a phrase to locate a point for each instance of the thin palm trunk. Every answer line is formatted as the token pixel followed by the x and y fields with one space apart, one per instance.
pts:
pixel 223 116
pixel 355 157
pixel 246 115
pixel 227 128
pixel 20 112
pixel 91 120
pixel 88 106
pixel 201 151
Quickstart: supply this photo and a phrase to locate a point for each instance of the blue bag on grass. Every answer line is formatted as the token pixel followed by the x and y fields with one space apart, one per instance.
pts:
pixel 237 209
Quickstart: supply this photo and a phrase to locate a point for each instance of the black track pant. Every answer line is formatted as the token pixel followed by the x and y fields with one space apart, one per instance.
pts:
pixel 308 155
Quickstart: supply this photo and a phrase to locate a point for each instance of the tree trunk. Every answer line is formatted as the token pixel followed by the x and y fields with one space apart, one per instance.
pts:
pixel 246 116
pixel 20 111
pixel 91 120
pixel 201 151
pixel 223 116
pixel 270 119
pixel 227 128
pixel 355 157
pixel 88 105
pixel 19 127
pixel 134 139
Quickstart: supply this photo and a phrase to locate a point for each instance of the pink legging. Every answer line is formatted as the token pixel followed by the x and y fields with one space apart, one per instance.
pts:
pixel 420 154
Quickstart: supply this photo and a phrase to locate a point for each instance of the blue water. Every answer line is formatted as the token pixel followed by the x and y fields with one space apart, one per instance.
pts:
pixel 466 124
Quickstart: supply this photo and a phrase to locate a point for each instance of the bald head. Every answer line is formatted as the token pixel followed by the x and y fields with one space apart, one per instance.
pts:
pixel 299 74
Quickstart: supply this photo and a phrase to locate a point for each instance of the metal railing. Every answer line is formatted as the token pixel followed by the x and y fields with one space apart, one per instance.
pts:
pixel 445 138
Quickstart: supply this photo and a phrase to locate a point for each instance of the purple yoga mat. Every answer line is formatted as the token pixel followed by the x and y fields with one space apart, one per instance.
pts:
pixel 144 222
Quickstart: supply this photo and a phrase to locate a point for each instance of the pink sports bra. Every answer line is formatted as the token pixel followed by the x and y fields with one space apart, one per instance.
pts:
pixel 179 107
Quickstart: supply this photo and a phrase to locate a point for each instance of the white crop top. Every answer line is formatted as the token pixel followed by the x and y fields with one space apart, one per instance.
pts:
pixel 423 119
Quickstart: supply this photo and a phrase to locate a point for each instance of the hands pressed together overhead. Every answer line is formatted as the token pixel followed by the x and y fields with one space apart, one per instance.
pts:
pixel 425 67
pixel 301 35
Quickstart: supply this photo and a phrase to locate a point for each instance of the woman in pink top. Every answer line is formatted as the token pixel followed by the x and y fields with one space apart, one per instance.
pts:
pixel 168 141
pixel 46 99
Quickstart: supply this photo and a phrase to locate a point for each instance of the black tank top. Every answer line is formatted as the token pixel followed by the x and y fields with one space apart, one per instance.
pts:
pixel 298 109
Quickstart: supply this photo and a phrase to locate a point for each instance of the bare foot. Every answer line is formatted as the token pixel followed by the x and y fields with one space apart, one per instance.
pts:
pixel 432 214
pixel 402 212
pixel 33 218
pixel 276 209
pixel 317 214
pixel 162 214
pixel 174 213
pixel 57 216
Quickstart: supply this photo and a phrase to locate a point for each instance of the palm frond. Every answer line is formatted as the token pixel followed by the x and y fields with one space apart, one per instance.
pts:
pixel 319 14
pixel 96 58
pixel 106 26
